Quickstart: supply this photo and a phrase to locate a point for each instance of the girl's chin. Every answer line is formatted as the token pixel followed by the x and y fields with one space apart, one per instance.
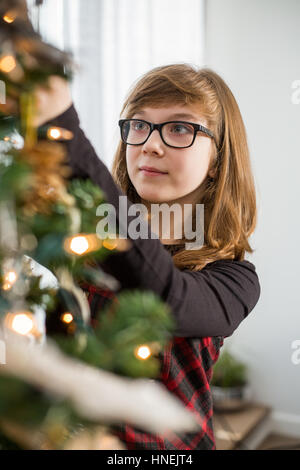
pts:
pixel 151 198
pixel 151 195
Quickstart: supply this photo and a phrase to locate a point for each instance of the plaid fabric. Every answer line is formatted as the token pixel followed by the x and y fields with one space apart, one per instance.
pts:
pixel 186 371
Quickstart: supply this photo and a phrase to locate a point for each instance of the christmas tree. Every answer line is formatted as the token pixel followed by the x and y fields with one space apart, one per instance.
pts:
pixel 64 377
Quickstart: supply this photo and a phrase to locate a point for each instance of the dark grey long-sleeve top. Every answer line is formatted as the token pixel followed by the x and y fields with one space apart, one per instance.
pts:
pixel 209 302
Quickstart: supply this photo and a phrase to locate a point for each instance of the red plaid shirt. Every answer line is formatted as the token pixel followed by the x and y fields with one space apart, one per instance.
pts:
pixel 186 371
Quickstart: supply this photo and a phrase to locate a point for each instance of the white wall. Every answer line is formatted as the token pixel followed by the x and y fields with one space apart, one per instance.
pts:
pixel 255 46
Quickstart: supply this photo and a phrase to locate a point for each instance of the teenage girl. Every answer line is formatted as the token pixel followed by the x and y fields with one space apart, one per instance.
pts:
pixel 182 140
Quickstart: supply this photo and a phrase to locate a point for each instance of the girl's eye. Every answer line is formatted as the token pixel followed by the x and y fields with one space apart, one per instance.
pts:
pixel 139 126
pixel 180 129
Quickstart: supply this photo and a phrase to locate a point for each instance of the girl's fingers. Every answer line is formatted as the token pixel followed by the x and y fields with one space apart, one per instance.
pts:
pixel 53 100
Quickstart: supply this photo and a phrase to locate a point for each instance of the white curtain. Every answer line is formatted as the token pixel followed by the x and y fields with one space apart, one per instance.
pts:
pixel 115 42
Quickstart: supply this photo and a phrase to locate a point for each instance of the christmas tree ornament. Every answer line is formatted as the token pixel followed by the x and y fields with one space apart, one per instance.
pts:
pixel 49 172
pixel 66 304
pixel 66 281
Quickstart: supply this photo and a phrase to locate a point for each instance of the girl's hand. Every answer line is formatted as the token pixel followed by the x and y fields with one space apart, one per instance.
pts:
pixel 53 100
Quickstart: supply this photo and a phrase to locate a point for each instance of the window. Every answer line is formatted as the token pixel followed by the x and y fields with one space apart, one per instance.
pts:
pixel 114 42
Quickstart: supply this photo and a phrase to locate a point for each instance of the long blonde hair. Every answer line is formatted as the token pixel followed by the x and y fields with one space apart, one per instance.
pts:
pixel 229 198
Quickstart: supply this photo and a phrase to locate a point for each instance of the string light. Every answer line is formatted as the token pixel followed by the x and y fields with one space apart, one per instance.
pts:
pixel 9 279
pixel 7 63
pixel 6 286
pixel 67 317
pixel 8 19
pixel 10 16
pixel 110 244
pixel 58 133
pixel 53 133
pixel 79 245
pixel 119 244
pixel 21 323
pixel 82 244
pixel 143 352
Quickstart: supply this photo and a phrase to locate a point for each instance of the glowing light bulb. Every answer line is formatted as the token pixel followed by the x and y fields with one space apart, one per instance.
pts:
pixel 110 244
pixel 118 244
pixel 8 19
pixel 10 16
pixel 6 286
pixel 143 352
pixel 54 133
pixel 10 277
pixel 79 245
pixel 67 317
pixel 7 63
pixel 22 323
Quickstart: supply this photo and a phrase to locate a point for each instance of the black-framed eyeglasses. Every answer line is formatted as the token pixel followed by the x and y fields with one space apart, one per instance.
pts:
pixel 176 134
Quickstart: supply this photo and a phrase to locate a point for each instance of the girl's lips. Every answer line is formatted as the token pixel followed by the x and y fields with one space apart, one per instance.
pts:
pixel 151 172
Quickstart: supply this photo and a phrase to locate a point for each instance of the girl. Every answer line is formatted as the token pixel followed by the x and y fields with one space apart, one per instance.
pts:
pixel 185 124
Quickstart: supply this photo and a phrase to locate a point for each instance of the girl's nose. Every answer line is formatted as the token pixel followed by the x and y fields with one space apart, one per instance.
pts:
pixel 154 144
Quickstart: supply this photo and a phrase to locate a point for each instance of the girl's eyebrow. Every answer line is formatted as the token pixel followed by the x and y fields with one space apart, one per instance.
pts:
pixel 184 116
pixel 175 116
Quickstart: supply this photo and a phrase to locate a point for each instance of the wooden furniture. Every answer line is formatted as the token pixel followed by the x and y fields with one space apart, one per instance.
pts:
pixel 233 429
